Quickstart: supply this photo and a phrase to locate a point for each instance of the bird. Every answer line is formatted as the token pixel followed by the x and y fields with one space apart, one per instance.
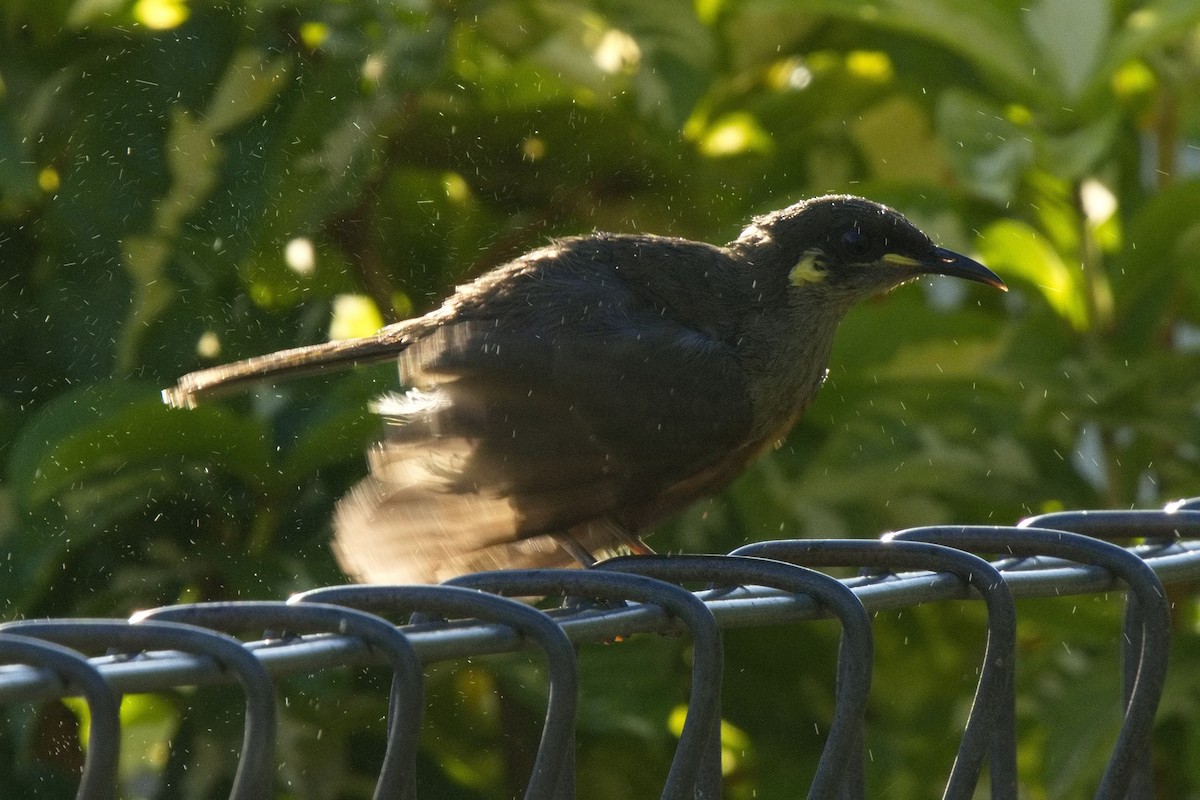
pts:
pixel 558 407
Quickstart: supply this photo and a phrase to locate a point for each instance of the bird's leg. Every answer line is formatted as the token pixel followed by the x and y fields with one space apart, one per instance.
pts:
pixel 573 548
pixel 605 536
pixel 633 542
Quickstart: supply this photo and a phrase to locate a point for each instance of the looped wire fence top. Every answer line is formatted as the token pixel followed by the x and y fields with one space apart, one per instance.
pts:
pixel 762 584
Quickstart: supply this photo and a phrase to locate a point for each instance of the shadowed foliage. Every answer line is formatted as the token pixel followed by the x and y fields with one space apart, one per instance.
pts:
pixel 186 182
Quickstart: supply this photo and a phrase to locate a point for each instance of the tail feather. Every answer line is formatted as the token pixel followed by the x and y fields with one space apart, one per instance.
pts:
pixel 226 378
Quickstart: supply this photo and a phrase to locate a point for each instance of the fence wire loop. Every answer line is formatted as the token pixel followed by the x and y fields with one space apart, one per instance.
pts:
pixel 764 583
pixel 704 704
pixel 840 764
pixel 397 776
pixel 553 773
pixel 993 712
pixel 255 768
pixel 99 778
pixel 1153 642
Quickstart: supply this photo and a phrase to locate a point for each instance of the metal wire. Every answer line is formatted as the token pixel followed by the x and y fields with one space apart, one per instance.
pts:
pixel 765 583
pixel 1153 643
pixel 686 775
pixel 553 769
pixel 993 712
pixel 841 761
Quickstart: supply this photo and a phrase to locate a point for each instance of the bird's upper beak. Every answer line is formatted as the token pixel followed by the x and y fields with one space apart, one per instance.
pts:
pixel 948 262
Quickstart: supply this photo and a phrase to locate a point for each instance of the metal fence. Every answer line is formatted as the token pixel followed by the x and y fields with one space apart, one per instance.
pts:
pixel 760 584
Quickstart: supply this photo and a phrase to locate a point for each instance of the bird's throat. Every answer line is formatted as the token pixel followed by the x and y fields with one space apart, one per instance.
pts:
pixel 787 367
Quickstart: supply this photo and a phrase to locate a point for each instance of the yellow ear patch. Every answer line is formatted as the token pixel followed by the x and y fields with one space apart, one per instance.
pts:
pixel 809 269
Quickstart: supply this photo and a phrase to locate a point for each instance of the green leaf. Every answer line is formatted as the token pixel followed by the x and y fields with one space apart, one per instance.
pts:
pixel 104 432
pixel 989 35
pixel 897 138
pixel 733 135
pixel 18 174
pixel 1080 728
pixel 1153 26
pixel 1073 57
pixel 339 428
pixel 1162 240
pixel 1075 155
pixel 91 12
pixel 676 61
pixel 251 82
pixel 987 152
pixel 1016 250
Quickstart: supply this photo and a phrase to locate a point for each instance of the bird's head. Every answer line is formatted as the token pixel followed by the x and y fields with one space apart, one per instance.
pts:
pixel 843 249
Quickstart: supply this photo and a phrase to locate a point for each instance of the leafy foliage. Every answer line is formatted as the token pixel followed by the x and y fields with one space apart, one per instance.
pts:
pixel 184 182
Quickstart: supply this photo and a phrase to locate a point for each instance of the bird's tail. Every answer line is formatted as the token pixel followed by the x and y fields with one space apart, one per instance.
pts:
pixel 226 378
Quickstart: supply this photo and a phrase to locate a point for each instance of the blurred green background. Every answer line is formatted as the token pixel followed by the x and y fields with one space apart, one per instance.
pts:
pixel 186 182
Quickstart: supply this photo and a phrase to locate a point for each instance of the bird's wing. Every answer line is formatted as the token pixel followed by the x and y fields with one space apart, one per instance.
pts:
pixel 514 435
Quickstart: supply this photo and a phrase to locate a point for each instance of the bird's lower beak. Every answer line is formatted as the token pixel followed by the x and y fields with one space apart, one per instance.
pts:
pixel 948 262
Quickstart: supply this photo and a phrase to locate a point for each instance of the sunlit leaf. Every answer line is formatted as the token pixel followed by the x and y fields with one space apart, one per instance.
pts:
pixel 734 134
pixel 354 315
pixel 989 35
pixel 161 15
pixel 1151 26
pixel 1017 250
pixel 147 724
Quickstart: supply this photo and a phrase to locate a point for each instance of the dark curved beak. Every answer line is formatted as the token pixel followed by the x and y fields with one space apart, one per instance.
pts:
pixel 948 262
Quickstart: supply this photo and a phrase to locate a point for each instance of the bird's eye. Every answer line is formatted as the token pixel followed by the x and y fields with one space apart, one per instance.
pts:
pixel 855 243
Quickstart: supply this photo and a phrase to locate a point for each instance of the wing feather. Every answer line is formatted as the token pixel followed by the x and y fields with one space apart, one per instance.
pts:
pixel 511 439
